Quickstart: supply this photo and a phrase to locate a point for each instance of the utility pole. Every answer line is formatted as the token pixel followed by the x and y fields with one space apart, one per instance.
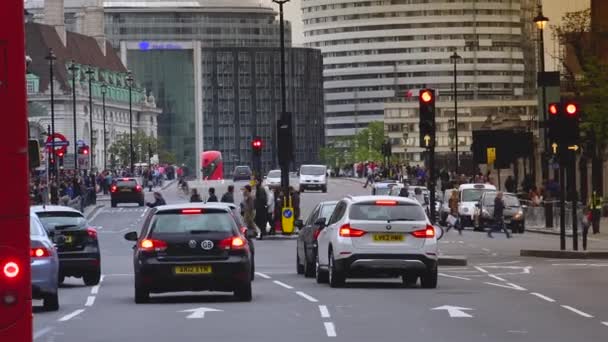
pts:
pixel 73 69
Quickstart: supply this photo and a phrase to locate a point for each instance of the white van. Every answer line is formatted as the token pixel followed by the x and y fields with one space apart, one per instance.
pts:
pixel 470 194
pixel 313 177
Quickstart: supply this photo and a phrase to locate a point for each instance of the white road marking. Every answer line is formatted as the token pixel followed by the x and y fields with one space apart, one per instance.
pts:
pixel 199 312
pixel 324 311
pixel 501 263
pixel 95 289
pixel 42 332
pixel 576 311
pixel 330 329
pixel 605 323
pixel 480 269
pixel 289 287
pixel 90 301
pixel 496 277
pixel 510 286
pixel 454 311
pixel 96 213
pixel 101 278
pixel 486 250
pixel 543 297
pixel 72 315
pixel 457 269
pixel 453 276
pixel 307 297
pixel 265 276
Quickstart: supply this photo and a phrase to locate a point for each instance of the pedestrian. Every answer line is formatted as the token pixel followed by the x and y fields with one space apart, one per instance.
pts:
pixel 261 201
pixel 248 209
pixel 510 184
pixel 158 200
pixel 270 209
pixel 595 204
pixel 454 217
pixel 212 196
pixel 228 196
pixel 587 221
pixel 195 197
pixel 499 222
pixel 295 202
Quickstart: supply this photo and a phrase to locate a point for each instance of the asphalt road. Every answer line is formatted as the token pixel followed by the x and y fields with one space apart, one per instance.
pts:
pixel 501 296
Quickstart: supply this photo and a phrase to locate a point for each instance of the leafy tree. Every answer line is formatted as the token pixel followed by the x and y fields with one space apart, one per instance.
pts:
pixel 143 144
pixel 356 148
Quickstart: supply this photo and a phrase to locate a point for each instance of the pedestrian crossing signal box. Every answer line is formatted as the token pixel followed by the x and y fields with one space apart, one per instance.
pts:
pixel 287 217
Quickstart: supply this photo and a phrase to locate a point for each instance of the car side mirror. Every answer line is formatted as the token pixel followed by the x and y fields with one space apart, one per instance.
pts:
pixel 320 222
pixel 477 205
pixel 439 232
pixel 131 236
pixel 299 223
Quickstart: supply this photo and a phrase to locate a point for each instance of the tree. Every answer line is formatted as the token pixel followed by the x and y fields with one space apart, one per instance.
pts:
pixel 143 146
pixel 356 148
pixel 587 77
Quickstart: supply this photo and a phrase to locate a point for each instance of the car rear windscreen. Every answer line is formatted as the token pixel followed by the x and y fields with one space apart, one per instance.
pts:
pixel 178 223
pixel 126 183
pixel 61 219
pixel 398 212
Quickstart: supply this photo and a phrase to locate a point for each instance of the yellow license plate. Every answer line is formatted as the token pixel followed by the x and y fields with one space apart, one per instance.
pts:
pixel 192 270
pixel 388 238
pixel 68 238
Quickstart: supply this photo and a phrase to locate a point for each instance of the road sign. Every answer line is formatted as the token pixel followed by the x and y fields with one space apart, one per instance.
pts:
pixel 573 148
pixel 57 144
pixel 60 142
pixel 454 311
pixel 554 146
pixel 427 140
pixel 491 153
pixel 199 312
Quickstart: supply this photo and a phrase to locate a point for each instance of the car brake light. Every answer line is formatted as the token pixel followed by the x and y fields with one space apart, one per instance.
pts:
pixel 233 243
pixel 427 233
pixel 151 245
pixel 138 188
pixel 11 269
pixel 386 202
pixel 192 211
pixel 244 231
pixel 39 253
pixel 92 233
pixel 347 231
pixel 113 188
pixel 126 179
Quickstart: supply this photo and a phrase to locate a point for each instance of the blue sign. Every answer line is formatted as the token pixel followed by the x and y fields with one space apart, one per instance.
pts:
pixel 287 213
pixel 145 46
pixel 57 144
pixel 80 142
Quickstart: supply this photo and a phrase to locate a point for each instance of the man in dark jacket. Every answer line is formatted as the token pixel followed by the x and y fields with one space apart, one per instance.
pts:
pixel 261 201
pixel 228 196
pixel 499 223
pixel 212 196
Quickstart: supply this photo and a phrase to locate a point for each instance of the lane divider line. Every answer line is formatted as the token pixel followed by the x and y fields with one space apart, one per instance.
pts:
pixel 576 311
pixel 496 277
pixel 90 301
pixel 95 289
pixel 453 276
pixel 42 332
pixel 330 329
pixel 289 287
pixel 510 286
pixel 324 311
pixel 541 296
pixel 307 297
pixel 605 323
pixel 71 315
pixel 480 269
pixel 265 276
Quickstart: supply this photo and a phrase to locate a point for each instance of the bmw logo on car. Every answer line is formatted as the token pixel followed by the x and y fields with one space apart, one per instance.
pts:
pixel 389 227
pixel 192 244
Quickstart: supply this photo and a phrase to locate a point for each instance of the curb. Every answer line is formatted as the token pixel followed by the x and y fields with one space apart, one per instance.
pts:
pixel 93 211
pixel 559 254
pixel 548 232
pixel 452 261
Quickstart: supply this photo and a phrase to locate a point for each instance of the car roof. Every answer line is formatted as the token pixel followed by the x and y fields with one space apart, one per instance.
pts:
pixel 52 208
pixel 476 186
pixel 326 203
pixel 360 199
pixel 170 207
pixel 221 205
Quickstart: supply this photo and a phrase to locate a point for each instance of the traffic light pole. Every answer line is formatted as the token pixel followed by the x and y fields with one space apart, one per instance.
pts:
pixel 562 205
pixel 432 179
pixel 572 182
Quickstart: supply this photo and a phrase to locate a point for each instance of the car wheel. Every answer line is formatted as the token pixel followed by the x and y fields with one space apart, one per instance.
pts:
pixel 141 203
pixel 92 278
pixel 51 302
pixel 309 267
pixel 409 280
pixel 142 295
pixel 428 280
pixel 299 266
pixel 324 189
pixel 336 278
pixel 113 204
pixel 243 293
pixel 60 279
pixel 321 275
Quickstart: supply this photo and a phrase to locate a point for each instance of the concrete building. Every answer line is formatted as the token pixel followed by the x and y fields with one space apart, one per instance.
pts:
pixel 378 51
pixel 214 67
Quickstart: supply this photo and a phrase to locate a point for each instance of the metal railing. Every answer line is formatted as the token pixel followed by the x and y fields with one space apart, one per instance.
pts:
pixel 547 215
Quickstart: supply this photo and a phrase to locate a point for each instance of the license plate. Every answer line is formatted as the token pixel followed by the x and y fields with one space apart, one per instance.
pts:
pixel 388 238
pixel 193 269
pixel 68 239
pixel 125 190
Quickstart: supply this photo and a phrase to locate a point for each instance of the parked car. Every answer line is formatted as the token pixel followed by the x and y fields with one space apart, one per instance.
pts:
pixel 307 238
pixel 513 213
pixel 383 188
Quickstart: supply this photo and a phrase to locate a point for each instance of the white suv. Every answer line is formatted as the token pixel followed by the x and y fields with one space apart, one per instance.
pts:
pixel 378 235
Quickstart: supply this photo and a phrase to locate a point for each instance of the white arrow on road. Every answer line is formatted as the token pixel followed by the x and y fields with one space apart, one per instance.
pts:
pixel 199 312
pixel 454 311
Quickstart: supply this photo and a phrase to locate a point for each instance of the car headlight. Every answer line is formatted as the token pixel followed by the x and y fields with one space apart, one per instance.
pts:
pixel 518 216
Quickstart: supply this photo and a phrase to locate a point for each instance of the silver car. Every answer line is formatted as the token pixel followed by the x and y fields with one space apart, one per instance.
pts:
pixel 45 265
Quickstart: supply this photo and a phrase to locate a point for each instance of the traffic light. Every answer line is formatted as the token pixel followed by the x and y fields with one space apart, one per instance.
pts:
pixel 426 99
pixel 83 150
pixel 563 125
pixel 257 145
pixel 553 123
pixel 285 140
pixel 571 120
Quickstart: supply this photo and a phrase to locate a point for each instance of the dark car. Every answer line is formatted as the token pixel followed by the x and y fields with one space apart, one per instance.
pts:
pixel 307 238
pixel 191 247
pixel 77 244
pixel 241 173
pixel 126 190
pixel 513 213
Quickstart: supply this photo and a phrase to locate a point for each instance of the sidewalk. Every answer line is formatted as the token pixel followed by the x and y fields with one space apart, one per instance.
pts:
pixel 601 236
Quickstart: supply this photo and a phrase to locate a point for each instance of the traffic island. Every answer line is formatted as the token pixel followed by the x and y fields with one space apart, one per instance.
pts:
pixel 559 254
pixel 446 260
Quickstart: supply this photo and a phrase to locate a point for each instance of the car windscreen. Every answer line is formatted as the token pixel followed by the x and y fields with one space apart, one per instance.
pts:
pixel 274 174
pixel 61 220
pixel 472 195
pixel 313 170
pixel 510 200
pixel 179 223
pixel 126 183
pixel 383 212
pixel 327 210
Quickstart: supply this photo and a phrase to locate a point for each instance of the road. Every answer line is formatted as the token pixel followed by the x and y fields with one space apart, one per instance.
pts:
pixel 498 297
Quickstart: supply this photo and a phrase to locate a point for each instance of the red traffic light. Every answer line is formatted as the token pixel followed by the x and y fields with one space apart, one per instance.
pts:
pixel 571 109
pixel 257 144
pixel 426 96
pixel 553 108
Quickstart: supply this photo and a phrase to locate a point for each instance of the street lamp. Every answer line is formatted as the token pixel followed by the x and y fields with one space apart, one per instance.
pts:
pixel 284 168
pixel 541 22
pixel 104 89
pixel 51 58
pixel 90 74
pixel 455 57
pixel 130 84
pixel 73 69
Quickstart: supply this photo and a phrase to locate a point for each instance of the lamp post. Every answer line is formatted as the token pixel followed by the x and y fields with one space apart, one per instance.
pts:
pixel 455 57
pixel 541 22
pixel 130 84
pixel 283 90
pixel 73 69
pixel 90 74
pixel 104 89
pixel 51 58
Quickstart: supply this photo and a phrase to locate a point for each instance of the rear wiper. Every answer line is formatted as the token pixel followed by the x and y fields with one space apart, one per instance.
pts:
pixel 200 231
pixel 400 219
pixel 63 226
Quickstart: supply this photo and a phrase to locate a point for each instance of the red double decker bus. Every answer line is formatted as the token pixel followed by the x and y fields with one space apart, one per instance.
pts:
pixel 213 165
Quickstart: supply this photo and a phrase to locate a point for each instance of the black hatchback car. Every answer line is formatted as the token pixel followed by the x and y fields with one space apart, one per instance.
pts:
pixel 241 173
pixel 77 243
pixel 126 190
pixel 307 238
pixel 513 213
pixel 191 247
